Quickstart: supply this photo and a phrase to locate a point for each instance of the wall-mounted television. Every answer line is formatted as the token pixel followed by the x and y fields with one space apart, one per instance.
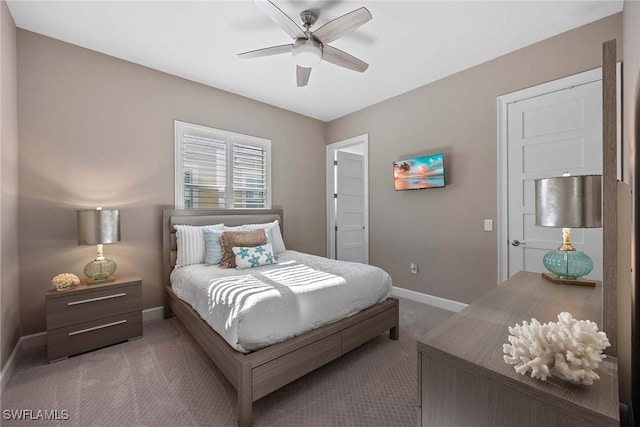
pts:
pixel 419 172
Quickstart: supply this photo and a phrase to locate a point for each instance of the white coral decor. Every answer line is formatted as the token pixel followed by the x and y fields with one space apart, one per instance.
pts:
pixel 569 349
pixel 65 280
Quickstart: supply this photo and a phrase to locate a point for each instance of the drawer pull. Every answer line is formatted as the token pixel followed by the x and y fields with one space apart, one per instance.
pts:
pixel 82 331
pixel 123 294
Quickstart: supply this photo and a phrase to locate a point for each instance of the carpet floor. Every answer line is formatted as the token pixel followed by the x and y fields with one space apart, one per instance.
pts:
pixel 166 379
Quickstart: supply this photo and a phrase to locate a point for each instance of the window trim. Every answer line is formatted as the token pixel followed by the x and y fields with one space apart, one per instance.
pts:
pixel 180 128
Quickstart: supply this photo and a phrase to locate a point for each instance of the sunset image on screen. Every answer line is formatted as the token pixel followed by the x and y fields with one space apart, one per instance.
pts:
pixel 419 172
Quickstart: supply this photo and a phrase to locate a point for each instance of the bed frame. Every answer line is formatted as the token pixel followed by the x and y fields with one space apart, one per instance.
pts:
pixel 257 374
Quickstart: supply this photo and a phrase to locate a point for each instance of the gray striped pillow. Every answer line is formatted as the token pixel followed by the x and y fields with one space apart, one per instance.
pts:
pixel 190 243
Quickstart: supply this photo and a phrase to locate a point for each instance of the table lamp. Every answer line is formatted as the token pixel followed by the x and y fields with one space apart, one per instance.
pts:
pixel 568 202
pixel 99 227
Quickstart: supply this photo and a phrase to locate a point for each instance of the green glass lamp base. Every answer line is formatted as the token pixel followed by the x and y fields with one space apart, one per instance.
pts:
pixel 100 271
pixel 568 264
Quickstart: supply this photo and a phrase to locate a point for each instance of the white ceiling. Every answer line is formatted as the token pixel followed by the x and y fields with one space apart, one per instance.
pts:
pixel 407 44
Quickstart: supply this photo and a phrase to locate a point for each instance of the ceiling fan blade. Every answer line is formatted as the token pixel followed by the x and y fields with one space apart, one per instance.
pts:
pixel 267 51
pixel 281 18
pixel 302 75
pixel 335 29
pixel 343 59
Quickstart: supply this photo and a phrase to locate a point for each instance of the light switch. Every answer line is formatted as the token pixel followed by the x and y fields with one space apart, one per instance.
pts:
pixel 414 268
pixel 488 225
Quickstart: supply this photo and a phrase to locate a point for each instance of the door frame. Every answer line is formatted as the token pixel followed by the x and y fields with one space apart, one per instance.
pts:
pixel 330 179
pixel 503 102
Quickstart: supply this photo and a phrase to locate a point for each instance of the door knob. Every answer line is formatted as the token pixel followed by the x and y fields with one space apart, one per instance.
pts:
pixel 517 243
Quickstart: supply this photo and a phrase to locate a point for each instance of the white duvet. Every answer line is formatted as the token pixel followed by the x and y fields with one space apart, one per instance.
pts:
pixel 257 307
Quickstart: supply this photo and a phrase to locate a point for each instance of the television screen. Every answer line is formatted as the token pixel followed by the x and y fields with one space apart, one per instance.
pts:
pixel 419 172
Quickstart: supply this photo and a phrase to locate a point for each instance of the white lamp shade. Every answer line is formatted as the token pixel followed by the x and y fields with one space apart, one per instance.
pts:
pixel 307 53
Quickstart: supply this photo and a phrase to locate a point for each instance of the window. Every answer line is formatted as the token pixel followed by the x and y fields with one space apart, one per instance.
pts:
pixel 220 169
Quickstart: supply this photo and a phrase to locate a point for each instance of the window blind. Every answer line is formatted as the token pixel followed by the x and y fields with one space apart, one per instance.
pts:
pixel 221 169
pixel 249 176
pixel 204 166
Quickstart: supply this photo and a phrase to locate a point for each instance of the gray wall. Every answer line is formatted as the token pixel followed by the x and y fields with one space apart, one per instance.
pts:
pixel 9 286
pixel 631 135
pixel 95 130
pixel 441 229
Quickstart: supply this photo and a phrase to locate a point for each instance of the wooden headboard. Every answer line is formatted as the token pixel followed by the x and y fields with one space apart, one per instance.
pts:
pixel 230 217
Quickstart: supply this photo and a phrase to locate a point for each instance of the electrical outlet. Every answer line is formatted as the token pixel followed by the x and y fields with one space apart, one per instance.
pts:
pixel 488 225
pixel 414 268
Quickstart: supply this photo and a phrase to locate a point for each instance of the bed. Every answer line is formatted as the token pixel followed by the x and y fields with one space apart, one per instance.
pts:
pixel 257 373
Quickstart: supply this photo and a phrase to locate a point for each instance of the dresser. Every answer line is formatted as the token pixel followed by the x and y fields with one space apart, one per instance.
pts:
pixel 464 381
pixel 87 317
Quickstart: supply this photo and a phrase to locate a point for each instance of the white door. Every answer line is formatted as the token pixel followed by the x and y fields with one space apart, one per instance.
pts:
pixel 548 135
pixel 350 204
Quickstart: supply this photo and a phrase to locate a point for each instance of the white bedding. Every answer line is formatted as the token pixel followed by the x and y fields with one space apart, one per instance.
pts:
pixel 260 306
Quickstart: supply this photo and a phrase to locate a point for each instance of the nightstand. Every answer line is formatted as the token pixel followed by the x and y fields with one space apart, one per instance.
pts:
pixel 92 316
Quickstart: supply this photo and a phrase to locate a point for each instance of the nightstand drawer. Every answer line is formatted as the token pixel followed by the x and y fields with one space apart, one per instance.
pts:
pixel 96 304
pixel 86 336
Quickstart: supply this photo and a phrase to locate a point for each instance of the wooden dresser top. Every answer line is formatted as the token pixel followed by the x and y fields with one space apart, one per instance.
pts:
pixel 477 333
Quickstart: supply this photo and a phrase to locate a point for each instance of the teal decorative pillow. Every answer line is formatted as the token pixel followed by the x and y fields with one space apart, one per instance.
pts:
pixel 212 248
pixel 254 257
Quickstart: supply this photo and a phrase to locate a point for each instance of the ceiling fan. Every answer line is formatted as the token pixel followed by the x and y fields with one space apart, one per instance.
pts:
pixel 309 47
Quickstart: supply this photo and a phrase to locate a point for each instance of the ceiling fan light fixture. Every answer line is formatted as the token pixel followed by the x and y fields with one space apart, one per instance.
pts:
pixel 311 47
pixel 307 53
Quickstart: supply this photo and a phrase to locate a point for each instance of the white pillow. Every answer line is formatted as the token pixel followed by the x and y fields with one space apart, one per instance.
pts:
pixel 190 243
pixel 253 256
pixel 233 228
pixel 278 241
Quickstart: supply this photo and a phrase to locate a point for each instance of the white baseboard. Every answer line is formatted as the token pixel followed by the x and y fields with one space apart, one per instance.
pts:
pixel 33 341
pixel 443 303
pixel 25 343
pixel 28 342
pixel 9 367
pixel 154 313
